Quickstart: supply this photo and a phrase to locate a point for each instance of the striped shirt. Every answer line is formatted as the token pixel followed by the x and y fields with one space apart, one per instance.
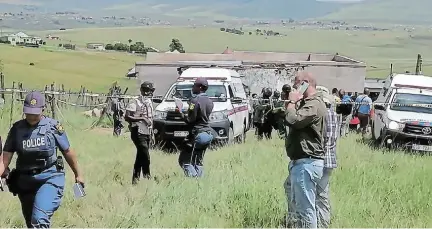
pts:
pixel 330 139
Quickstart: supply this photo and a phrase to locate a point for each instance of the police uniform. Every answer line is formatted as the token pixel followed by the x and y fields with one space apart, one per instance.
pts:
pixel 38 179
pixel 262 114
pixel 200 133
pixel 141 131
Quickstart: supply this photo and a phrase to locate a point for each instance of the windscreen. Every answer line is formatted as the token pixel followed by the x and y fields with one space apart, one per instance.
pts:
pixel 184 92
pixel 412 103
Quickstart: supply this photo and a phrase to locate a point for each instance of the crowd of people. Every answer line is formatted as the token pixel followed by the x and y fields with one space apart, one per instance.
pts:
pixel 310 121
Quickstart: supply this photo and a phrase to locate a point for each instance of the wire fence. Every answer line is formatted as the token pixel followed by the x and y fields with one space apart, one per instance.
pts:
pixel 58 100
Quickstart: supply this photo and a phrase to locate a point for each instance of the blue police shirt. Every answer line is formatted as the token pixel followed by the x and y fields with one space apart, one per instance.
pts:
pixel 346 98
pixel 47 135
pixel 365 108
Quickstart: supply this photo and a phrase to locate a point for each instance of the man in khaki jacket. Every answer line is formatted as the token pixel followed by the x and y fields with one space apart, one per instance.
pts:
pixel 305 117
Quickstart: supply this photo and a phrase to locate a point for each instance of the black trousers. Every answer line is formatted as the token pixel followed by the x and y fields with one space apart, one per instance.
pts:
pixel 264 129
pixel 118 126
pixel 142 160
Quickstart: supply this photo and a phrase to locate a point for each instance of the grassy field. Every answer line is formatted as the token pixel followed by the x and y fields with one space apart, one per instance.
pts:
pixel 97 70
pixel 377 48
pixel 243 186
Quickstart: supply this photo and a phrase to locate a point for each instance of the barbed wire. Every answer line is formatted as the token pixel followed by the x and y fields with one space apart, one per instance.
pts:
pixel 92 126
pixel 80 105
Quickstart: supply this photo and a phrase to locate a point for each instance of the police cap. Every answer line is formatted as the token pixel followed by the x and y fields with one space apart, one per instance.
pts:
pixel 201 82
pixel 147 86
pixel 34 103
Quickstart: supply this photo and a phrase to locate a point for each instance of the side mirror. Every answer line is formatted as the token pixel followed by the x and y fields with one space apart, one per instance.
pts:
pixel 236 100
pixel 157 100
pixel 379 107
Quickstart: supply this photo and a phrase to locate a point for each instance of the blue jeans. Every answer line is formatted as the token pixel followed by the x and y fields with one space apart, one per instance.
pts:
pixel 40 196
pixel 191 159
pixel 301 189
pixel 323 201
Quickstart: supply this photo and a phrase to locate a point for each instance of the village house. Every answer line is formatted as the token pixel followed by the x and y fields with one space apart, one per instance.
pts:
pixel 97 46
pixel 20 38
pixel 52 37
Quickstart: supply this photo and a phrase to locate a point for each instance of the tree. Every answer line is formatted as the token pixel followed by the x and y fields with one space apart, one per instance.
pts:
pixel 109 47
pixel 250 33
pixel 130 41
pixel 222 29
pixel 176 45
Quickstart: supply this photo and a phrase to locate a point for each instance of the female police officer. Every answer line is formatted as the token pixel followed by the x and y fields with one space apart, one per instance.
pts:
pixel 38 178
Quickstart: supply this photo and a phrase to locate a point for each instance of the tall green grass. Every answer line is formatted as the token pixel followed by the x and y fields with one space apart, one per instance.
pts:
pixel 242 187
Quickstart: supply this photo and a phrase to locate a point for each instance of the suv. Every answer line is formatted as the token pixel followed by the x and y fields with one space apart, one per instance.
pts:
pixel 230 116
pixel 403 113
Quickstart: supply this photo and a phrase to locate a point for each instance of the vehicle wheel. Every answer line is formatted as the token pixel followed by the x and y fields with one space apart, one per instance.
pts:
pixel 374 136
pixel 242 137
pixel 230 137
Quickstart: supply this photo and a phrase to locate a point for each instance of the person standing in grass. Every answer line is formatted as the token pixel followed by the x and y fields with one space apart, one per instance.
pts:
pixel 191 158
pixel 330 140
pixel 362 110
pixel 139 115
pixel 39 177
pixel 305 117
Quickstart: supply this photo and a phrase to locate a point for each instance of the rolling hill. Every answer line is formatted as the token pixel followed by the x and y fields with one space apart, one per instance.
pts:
pixel 280 9
pixel 386 11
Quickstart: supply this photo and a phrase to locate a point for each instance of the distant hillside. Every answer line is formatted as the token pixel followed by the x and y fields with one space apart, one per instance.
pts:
pixel 296 9
pixel 386 11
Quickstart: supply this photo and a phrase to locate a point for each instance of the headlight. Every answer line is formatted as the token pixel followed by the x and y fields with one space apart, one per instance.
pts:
pixel 160 115
pixel 218 115
pixel 393 125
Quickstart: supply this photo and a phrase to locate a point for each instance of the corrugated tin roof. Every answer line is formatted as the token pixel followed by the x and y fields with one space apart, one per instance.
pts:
pixel 294 58
pixel 21 34
pixel 227 51
pixel 374 83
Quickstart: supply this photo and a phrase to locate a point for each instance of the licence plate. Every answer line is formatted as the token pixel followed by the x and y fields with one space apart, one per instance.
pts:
pixel 181 133
pixel 422 147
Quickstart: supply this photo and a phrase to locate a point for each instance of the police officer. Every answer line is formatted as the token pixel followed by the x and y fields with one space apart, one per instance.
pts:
pixel 262 114
pixel 117 109
pixel 278 112
pixel 286 89
pixel 39 177
pixel 139 115
pixel 200 133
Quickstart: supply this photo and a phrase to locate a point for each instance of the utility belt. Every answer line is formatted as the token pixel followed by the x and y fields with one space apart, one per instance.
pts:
pixel 14 176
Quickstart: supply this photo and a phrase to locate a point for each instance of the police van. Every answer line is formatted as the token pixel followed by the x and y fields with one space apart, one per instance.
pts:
pixel 403 112
pixel 230 116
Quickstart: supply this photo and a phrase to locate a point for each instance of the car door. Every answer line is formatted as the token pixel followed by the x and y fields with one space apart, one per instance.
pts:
pixel 243 107
pixel 234 114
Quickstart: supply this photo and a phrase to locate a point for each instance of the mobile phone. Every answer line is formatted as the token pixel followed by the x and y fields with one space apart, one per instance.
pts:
pixel 303 87
pixel 78 190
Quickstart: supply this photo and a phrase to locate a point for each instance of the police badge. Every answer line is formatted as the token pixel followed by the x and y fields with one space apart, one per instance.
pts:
pixel 60 128
pixel 33 102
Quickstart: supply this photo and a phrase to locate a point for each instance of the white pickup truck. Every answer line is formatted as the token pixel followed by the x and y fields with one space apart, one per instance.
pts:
pixel 230 116
pixel 403 113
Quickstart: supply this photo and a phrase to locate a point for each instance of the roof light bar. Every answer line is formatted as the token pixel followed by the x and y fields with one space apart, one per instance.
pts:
pixel 413 86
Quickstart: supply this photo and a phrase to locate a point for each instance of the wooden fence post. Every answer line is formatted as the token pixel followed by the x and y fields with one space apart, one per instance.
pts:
pixel 2 85
pixel 52 101
pixel 12 105
pixel 21 94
